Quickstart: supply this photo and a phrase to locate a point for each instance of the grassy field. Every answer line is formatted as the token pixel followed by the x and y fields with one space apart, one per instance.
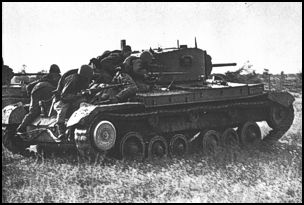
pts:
pixel 239 176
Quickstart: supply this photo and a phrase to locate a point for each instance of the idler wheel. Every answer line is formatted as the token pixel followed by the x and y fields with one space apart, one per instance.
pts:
pixel 178 146
pixel 230 138
pixel 249 134
pixel 278 115
pixel 93 142
pixel 157 148
pixel 210 142
pixel 132 146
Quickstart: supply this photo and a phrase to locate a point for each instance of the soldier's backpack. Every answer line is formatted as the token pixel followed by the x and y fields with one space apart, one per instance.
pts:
pixel 61 82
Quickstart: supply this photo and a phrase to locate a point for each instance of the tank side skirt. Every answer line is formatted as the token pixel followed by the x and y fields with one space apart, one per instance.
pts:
pixel 164 112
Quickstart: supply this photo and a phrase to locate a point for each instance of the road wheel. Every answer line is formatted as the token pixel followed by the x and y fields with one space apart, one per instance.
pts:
pixel 230 138
pixel 178 146
pixel 157 148
pixel 210 142
pixel 132 146
pixel 249 134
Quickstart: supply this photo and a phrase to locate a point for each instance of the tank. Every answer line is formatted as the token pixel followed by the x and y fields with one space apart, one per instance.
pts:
pixel 15 92
pixel 187 110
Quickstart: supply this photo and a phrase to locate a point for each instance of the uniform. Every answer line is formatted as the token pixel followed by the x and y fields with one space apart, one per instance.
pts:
pixel 69 96
pixel 120 93
pixel 138 68
pixel 51 78
pixel 40 90
pixel 125 92
pixel 106 54
pixel 110 62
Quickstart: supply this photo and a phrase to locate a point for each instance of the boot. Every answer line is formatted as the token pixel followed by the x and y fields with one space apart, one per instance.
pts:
pixel 61 131
pixel 27 120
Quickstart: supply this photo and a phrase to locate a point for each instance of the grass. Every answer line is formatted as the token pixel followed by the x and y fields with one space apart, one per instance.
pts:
pixel 251 176
pixel 235 176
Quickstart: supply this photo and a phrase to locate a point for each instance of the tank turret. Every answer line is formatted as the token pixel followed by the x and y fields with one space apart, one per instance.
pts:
pixel 192 63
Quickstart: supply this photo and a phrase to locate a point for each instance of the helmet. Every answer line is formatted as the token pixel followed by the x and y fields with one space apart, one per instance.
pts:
pixel 86 71
pixel 146 57
pixel 127 48
pixel 54 69
pixel 94 61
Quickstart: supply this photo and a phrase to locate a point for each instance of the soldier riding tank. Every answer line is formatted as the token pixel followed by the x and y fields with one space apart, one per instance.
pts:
pixel 183 109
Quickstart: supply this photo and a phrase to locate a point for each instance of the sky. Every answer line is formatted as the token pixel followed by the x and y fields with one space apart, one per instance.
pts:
pixel 268 35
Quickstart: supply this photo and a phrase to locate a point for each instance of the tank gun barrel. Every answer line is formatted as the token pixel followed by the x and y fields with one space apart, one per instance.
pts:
pixel 25 74
pixel 223 64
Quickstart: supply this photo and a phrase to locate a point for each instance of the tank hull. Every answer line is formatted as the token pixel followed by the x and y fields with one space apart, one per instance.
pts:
pixel 172 113
pixel 162 116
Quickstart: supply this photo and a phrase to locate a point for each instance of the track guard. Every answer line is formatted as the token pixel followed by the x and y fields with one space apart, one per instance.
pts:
pixel 85 110
pixel 283 98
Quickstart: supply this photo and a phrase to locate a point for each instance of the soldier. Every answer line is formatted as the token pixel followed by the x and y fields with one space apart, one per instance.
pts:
pixel 70 96
pixel 40 90
pixel 125 89
pixel 100 75
pixel 125 92
pixel 138 68
pixel 106 54
pixel 52 77
pixel 115 59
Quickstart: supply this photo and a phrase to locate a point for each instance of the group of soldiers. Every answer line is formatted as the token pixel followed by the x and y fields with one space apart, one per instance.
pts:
pixel 116 67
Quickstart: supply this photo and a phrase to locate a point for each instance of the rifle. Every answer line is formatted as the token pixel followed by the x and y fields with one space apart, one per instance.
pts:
pixel 101 99
pixel 51 108
pixel 94 91
pixel 168 88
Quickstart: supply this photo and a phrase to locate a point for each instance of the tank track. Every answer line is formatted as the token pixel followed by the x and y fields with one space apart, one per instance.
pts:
pixel 84 145
pixel 273 136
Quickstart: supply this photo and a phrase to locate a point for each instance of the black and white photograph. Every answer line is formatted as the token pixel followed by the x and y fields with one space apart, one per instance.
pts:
pixel 151 102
